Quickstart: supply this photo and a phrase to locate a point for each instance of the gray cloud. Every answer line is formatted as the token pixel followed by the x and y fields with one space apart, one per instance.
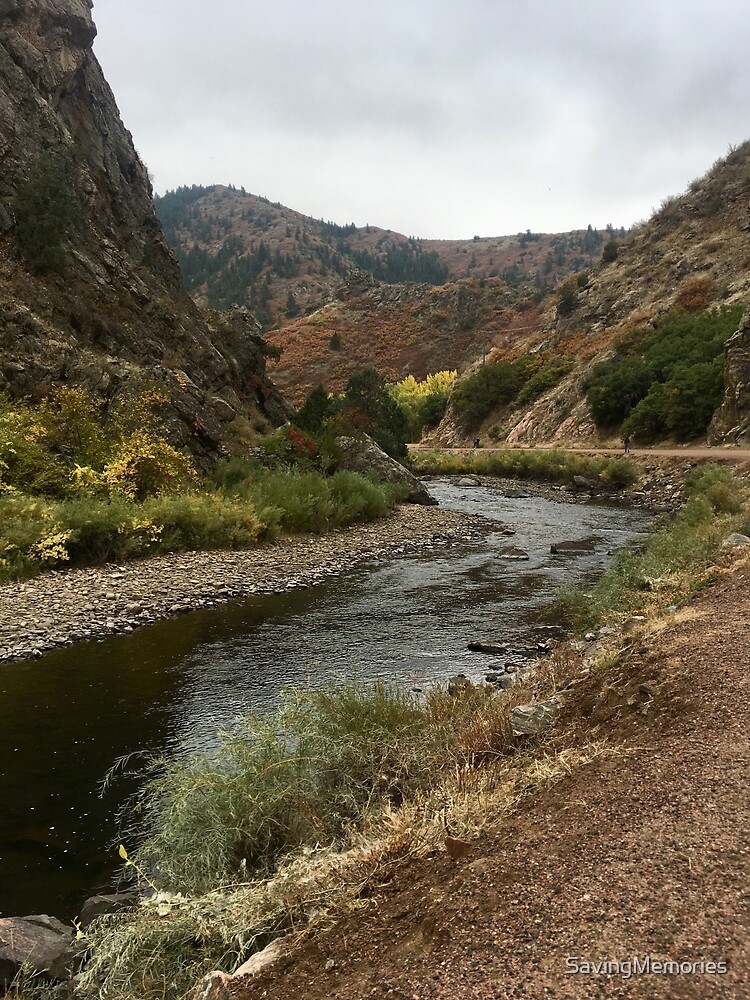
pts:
pixel 433 117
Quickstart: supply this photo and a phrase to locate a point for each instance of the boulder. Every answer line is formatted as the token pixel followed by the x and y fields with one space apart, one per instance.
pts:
pixel 40 943
pixel 515 494
pixel 735 541
pixel 101 905
pixel 564 548
pixel 362 455
pixel 220 985
pixel 263 959
pixel 511 553
pixel 494 648
pixel 581 483
pixel 531 720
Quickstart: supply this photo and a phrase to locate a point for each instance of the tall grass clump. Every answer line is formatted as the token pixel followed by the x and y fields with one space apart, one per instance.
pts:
pixel 292 500
pixel 540 465
pixel 296 813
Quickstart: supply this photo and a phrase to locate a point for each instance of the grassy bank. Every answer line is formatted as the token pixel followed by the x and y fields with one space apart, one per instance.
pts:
pixel 671 562
pixel 284 828
pixel 542 466
pixel 81 486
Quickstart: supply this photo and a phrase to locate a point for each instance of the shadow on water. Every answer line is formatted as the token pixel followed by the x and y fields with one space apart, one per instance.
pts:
pixel 168 688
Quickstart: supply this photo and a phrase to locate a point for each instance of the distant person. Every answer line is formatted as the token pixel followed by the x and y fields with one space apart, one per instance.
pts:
pixel 626 444
pixel 476 442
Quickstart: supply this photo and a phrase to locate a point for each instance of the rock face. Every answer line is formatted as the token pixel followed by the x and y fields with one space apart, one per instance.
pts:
pixel 361 454
pixel 731 422
pixel 117 316
pixel 40 943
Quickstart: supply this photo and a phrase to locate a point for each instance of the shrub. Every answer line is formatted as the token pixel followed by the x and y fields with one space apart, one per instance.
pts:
pixel 696 293
pixel 610 252
pixel 567 299
pixel 425 402
pixel 144 465
pixel 664 381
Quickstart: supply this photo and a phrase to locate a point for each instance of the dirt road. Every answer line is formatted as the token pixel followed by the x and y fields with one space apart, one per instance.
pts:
pixel 734 455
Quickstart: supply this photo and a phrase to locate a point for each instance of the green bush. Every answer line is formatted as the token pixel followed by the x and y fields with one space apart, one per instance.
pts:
pixel 667 381
pixel 672 557
pixel 505 383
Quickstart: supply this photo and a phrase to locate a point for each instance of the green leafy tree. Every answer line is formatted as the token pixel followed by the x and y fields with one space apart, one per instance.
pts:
pixel 611 249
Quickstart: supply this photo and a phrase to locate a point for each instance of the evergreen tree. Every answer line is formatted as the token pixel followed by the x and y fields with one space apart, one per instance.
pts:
pixel 46 212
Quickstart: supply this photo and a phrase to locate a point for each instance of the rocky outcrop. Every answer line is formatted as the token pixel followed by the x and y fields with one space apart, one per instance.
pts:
pixel 731 422
pixel 117 316
pixel 41 944
pixel 362 455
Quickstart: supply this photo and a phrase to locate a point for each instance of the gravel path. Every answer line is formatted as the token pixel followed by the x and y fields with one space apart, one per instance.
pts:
pixel 67 606
pixel 642 856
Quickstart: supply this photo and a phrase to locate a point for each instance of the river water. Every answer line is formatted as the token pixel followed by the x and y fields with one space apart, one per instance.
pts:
pixel 65 719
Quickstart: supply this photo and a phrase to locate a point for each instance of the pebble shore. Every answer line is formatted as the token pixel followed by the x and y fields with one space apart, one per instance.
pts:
pixel 63 607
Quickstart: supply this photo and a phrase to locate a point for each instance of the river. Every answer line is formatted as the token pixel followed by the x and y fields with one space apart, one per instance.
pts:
pixel 168 688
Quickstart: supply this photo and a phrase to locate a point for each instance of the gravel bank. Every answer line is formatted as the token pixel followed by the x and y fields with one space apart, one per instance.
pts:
pixel 67 606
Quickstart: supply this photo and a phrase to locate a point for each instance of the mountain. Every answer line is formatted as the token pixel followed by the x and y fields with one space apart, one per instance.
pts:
pixel 404 305
pixel 90 292
pixel 689 258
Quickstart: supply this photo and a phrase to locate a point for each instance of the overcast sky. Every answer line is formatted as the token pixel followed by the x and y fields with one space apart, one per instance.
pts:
pixel 434 118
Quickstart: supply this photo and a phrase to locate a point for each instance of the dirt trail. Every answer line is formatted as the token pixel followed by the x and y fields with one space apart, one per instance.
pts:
pixel 733 455
pixel 645 855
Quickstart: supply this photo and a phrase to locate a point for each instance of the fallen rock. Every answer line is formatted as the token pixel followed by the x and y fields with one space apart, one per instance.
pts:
pixel 512 553
pixel 262 959
pixel 101 905
pixel 581 483
pixel 735 541
pixel 220 985
pixel 517 494
pixel 494 648
pixel 40 943
pixel 583 545
pixel 531 720
pixel 214 986
pixel 362 455
pixel 468 481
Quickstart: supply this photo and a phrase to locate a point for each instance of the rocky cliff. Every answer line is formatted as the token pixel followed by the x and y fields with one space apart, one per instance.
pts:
pixel 109 310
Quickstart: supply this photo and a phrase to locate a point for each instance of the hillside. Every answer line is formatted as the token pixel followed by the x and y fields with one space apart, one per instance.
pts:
pixel 90 292
pixel 691 256
pixel 402 304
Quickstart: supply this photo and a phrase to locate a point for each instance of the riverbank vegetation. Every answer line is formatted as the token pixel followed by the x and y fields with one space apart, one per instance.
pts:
pixel 669 563
pixel 541 465
pixel 299 812
pixel 82 483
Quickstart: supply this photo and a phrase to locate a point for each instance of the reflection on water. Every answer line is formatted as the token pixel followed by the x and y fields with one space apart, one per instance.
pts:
pixel 66 718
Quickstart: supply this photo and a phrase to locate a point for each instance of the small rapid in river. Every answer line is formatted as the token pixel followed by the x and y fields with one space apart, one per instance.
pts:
pixel 66 718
